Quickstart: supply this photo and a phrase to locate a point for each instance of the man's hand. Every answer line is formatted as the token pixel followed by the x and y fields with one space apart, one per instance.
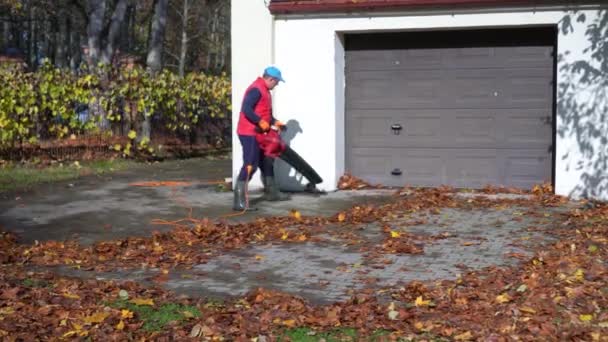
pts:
pixel 264 125
pixel 278 124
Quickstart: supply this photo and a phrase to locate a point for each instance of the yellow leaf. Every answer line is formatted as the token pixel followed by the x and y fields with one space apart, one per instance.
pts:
pixel 7 311
pixel 503 298
pixel 117 147
pixel 187 314
pixel 302 237
pixel 395 234
pixel 289 323
pixel 63 323
pixel 70 333
pixel 585 318
pixel 579 275
pixel 120 325
pixel 259 257
pixel 296 214
pixel 464 336
pixel 141 301
pixel 527 309
pixel 419 325
pixel 259 236
pixel 71 296
pixel 284 236
pixel 126 314
pixel 96 318
pixel 420 302
pixel 341 217
pixel 132 134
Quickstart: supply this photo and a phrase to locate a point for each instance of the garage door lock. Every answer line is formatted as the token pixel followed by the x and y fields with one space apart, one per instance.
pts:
pixel 396 129
pixel 396 172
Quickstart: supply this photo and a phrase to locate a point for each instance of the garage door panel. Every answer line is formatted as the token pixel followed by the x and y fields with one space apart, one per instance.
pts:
pixel 528 127
pixel 470 115
pixel 384 89
pixel 417 166
pixel 524 169
pixel 396 60
pixel 462 169
pixel 469 89
pixel 528 57
pixel 525 88
pixel 418 128
pixel 448 128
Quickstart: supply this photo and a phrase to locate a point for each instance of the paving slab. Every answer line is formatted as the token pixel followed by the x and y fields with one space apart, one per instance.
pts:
pixel 101 208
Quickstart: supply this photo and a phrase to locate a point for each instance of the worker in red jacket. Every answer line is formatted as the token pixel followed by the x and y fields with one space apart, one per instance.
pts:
pixel 256 117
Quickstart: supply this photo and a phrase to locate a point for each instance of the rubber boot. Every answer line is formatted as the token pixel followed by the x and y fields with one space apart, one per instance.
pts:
pixel 240 197
pixel 272 192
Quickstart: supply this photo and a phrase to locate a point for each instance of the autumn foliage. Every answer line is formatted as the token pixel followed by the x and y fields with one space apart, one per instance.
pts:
pixel 559 293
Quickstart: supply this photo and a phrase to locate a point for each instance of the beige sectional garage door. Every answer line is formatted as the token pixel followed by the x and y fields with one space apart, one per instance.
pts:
pixel 474 107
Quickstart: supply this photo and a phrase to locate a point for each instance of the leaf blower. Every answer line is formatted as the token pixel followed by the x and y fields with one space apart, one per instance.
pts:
pixel 272 145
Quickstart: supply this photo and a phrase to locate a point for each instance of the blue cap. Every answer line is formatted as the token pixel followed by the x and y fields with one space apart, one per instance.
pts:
pixel 274 72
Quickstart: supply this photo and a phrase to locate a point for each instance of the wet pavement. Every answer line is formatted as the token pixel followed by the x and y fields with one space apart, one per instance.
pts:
pixel 110 207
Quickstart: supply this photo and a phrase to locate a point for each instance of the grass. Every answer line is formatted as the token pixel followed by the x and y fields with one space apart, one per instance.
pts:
pixel 18 177
pixel 36 283
pixel 155 318
pixel 335 335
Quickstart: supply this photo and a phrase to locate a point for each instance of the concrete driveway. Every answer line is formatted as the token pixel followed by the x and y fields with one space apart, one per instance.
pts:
pixel 95 209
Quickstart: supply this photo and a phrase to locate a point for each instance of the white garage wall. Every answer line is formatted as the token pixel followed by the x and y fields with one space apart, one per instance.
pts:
pixel 311 55
pixel 252 43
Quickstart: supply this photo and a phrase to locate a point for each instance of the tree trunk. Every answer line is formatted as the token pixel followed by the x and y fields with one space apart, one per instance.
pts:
pixel 155 50
pixel 98 10
pixel 184 44
pixel 115 24
pixel 32 45
pixel 62 39
pixel 76 50
pixel 6 33
pixel 157 33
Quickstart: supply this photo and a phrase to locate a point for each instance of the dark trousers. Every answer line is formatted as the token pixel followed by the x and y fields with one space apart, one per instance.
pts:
pixel 253 155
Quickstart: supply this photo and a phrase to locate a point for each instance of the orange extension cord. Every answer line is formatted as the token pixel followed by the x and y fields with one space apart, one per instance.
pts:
pixel 184 203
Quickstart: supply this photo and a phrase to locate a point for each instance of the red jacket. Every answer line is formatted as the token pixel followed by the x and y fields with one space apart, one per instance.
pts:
pixel 263 109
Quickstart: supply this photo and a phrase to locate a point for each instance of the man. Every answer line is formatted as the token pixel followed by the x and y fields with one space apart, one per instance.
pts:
pixel 256 117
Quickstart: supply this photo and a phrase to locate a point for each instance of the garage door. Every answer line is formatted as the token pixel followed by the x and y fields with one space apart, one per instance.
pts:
pixel 460 108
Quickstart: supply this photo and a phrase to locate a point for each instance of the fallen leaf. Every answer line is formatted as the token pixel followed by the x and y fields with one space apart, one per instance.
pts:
pixel 420 302
pixel 296 214
pixel 10 294
pixel 71 296
pixel 395 234
pixel 196 331
pixel 585 318
pixel 122 294
pixel 141 301
pixel 289 323
pixel 341 217
pixel 527 309
pixel 259 257
pixel 464 336
pixel 96 318
pixel 120 325
pixel 503 298
pixel 126 314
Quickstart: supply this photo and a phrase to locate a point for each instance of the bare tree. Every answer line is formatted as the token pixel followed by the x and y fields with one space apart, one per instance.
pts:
pixel 94 30
pixel 157 34
pixel 184 42
pixel 115 25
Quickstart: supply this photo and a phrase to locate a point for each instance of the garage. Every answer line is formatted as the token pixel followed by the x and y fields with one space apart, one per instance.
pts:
pixel 461 108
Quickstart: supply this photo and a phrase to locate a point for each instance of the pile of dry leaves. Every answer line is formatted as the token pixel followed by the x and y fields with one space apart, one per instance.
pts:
pixel 558 294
